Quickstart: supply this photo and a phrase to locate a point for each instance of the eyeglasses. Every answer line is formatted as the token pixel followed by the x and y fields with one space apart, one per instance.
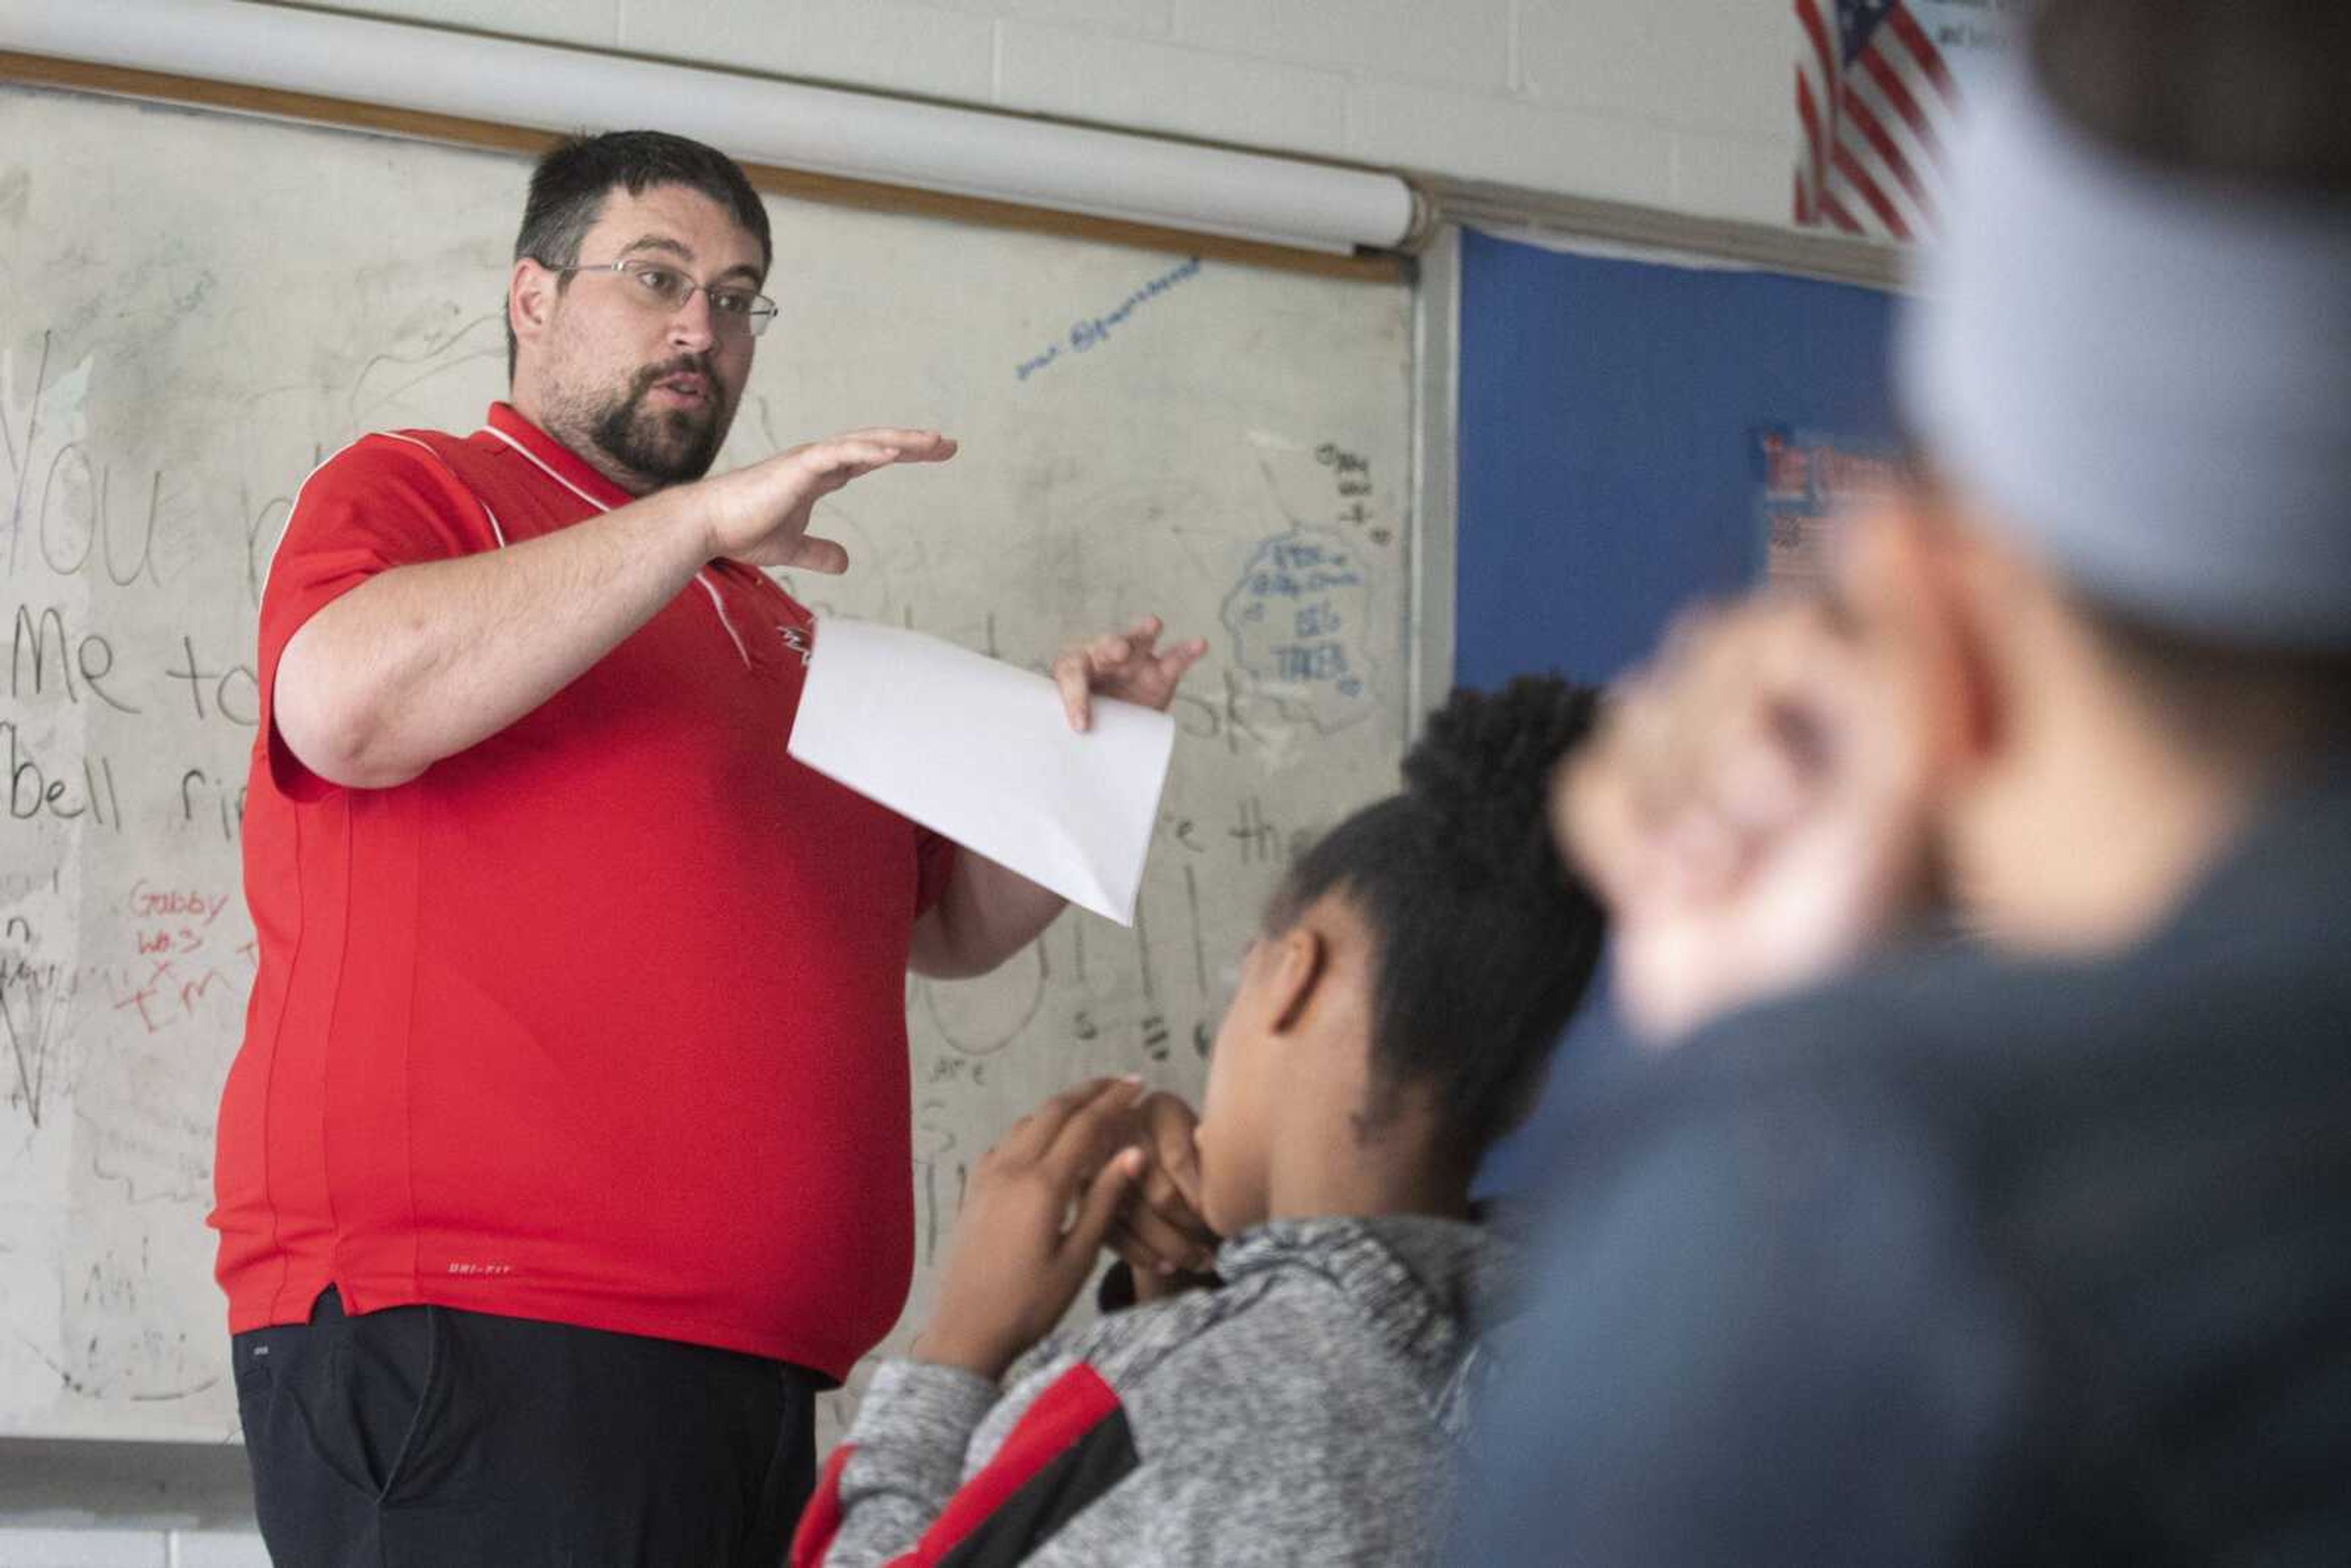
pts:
pixel 668 288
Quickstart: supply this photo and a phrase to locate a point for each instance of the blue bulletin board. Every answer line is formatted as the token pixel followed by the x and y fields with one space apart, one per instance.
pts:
pixel 1633 436
pixel 1613 421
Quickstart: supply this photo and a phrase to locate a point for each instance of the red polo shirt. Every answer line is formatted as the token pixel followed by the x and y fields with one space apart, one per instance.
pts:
pixel 602 1021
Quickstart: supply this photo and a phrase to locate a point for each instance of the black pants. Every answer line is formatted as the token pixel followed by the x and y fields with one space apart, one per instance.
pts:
pixel 427 1437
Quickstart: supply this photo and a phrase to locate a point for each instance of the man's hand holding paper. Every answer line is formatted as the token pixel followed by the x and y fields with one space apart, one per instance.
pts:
pixel 1055 779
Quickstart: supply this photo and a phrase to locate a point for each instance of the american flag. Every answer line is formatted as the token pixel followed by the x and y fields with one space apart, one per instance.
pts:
pixel 1875 97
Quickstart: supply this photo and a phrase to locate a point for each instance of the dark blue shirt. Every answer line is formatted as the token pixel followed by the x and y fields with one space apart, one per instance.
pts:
pixel 1964 1259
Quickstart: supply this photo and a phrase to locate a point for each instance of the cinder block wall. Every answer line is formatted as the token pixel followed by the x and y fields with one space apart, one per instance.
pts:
pixel 1681 104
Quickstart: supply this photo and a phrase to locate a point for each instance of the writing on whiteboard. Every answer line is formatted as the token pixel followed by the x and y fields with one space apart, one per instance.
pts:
pixel 1088 331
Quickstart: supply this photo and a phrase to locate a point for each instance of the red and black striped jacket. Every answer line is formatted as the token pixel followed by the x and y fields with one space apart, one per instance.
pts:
pixel 1303 1412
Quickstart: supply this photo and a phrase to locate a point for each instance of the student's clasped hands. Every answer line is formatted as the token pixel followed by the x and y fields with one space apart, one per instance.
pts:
pixel 1158 1229
pixel 1041 1204
pixel 1038 1206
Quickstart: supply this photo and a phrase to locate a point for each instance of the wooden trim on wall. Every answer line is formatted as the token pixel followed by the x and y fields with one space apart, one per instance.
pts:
pixel 800 185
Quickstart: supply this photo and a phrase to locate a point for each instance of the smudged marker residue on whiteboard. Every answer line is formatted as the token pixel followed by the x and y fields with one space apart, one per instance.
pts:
pixel 1089 331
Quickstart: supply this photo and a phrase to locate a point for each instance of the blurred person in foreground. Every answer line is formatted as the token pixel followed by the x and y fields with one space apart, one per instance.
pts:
pixel 2037 1246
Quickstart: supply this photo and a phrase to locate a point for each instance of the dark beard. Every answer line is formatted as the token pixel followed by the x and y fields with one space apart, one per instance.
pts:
pixel 668 448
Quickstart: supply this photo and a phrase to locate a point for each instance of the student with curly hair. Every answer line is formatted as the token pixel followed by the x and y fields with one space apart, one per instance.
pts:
pixel 1393 1018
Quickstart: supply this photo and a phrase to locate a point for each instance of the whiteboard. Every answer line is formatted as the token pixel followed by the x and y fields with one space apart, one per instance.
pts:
pixel 194 309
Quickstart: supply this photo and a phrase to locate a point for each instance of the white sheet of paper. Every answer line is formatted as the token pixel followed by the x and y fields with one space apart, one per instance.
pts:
pixel 981 752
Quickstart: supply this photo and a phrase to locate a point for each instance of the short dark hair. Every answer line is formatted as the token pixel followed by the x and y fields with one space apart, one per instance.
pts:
pixel 1485 941
pixel 2242 93
pixel 568 187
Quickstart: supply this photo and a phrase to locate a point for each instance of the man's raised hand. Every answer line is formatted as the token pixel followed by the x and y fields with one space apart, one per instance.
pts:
pixel 761 513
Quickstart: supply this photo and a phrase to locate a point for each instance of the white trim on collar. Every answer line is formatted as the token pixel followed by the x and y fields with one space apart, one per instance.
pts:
pixel 700 576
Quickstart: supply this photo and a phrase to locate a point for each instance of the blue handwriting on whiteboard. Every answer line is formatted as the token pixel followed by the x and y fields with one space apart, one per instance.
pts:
pixel 1296 616
pixel 1089 331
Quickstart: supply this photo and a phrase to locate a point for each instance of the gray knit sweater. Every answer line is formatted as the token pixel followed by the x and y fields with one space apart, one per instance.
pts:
pixel 1303 1414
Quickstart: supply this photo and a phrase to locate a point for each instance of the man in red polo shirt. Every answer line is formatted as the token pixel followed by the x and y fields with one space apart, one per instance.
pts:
pixel 565 1157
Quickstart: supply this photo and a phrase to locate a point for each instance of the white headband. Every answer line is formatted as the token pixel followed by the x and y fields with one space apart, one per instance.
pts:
pixel 2147 375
